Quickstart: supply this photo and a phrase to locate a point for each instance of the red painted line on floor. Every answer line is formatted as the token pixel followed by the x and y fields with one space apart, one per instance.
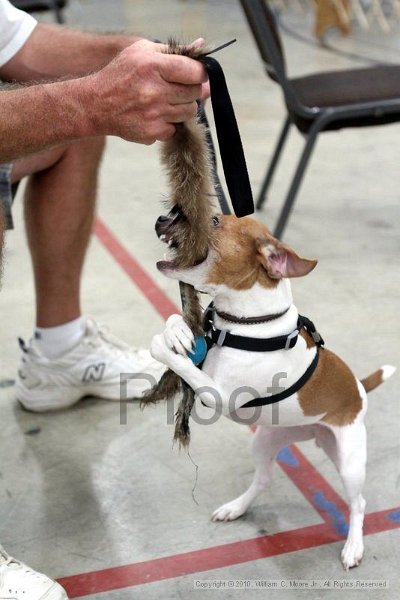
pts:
pixel 303 474
pixel 216 557
pixel 310 482
pixel 157 298
pixel 306 477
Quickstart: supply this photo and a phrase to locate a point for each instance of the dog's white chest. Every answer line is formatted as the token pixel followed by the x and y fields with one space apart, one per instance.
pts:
pixel 244 376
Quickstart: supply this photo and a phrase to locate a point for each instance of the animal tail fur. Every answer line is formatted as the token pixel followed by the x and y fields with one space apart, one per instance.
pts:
pixel 378 377
pixel 166 388
pixel 186 159
pixel 187 162
pixel 182 428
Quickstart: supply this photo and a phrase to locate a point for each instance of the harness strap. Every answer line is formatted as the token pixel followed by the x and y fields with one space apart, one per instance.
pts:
pixel 290 390
pixel 222 337
pixel 308 325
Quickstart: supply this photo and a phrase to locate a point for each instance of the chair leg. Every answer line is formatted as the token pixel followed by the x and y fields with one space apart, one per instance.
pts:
pixel 296 181
pixel 271 169
pixel 58 12
pixel 60 16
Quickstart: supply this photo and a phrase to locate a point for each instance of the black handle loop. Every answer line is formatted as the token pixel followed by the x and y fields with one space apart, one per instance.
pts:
pixel 230 144
pixel 219 190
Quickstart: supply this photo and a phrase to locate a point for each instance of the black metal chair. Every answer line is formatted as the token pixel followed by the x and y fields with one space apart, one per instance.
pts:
pixel 56 6
pixel 321 102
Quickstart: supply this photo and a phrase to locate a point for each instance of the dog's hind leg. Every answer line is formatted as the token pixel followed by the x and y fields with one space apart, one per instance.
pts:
pixel 267 442
pixel 347 447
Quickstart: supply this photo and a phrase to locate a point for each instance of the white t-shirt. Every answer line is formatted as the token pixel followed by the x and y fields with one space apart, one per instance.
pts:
pixel 15 28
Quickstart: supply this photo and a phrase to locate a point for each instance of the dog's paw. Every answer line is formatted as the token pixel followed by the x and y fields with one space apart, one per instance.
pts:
pixel 161 352
pixel 159 349
pixel 178 336
pixel 352 553
pixel 229 511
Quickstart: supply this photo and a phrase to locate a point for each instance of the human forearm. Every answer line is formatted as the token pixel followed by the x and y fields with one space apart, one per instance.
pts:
pixel 140 96
pixel 37 117
pixel 52 51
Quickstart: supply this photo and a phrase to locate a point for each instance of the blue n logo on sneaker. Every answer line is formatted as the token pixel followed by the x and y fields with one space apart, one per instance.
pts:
pixel 94 372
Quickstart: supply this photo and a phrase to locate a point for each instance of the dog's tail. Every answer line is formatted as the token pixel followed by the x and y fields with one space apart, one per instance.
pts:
pixel 378 377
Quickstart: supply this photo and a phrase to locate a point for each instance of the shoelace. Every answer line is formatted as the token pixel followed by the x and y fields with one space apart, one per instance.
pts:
pixel 97 332
pixel 7 560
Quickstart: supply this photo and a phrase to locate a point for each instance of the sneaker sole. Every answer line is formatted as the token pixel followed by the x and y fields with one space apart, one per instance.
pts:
pixel 56 592
pixel 62 398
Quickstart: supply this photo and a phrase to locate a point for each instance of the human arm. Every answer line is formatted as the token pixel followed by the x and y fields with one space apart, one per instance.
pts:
pixel 52 51
pixel 138 96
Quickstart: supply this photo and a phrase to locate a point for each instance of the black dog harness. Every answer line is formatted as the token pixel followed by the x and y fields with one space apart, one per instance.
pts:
pixel 222 337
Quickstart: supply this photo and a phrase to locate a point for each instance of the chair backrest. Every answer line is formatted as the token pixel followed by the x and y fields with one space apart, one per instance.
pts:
pixel 42 5
pixel 263 25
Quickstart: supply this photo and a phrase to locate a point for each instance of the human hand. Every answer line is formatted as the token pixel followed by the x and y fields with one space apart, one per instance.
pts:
pixel 143 93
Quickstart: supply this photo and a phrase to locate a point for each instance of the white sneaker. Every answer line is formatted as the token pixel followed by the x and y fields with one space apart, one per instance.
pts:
pixel 91 368
pixel 19 582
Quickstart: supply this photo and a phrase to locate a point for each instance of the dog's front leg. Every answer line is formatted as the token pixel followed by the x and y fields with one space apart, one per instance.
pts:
pixel 200 382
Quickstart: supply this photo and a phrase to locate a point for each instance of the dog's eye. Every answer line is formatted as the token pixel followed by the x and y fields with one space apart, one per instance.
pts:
pixel 215 221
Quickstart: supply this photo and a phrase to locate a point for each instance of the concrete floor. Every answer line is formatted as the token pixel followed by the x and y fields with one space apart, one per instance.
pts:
pixel 79 491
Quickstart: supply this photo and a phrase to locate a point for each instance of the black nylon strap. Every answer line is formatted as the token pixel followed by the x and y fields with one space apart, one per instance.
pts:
pixel 224 338
pixel 230 144
pixel 289 391
pixel 223 203
pixel 309 326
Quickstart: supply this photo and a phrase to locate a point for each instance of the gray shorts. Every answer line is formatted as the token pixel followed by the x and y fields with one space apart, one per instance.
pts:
pixel 6 193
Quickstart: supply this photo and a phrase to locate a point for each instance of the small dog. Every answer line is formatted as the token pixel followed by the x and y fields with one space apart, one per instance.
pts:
pixel 247 272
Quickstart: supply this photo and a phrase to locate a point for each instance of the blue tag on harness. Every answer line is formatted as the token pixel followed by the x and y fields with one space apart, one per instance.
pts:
pixel 199 351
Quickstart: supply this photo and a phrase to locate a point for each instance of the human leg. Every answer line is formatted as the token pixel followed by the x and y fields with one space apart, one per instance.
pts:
pixel 59 211
pixel 18 581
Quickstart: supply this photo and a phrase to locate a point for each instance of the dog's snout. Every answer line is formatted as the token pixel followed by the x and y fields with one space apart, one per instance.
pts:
pixel 162 224
pixel 166 227
pixel 162 220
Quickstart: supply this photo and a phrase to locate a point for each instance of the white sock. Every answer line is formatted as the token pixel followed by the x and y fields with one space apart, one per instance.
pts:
pixel 53 342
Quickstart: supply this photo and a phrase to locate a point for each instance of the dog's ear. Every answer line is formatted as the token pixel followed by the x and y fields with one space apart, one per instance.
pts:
pixel 280 260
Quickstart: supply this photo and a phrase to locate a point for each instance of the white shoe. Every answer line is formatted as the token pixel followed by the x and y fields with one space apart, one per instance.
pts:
pixel 94 367
pixel 19 582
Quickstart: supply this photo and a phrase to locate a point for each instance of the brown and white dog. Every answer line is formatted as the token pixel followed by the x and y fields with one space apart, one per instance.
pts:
pixel 247 273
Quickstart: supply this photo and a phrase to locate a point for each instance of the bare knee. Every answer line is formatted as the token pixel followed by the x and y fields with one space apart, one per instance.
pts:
pixel 88 149
pixel 35 163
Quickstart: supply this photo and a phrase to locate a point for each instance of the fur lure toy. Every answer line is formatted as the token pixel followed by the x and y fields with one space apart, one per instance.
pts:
pixel 188 166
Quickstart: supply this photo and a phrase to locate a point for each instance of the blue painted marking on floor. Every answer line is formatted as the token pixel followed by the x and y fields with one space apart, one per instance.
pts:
pixel 394 516
pixel 286 456
pixel 338 518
